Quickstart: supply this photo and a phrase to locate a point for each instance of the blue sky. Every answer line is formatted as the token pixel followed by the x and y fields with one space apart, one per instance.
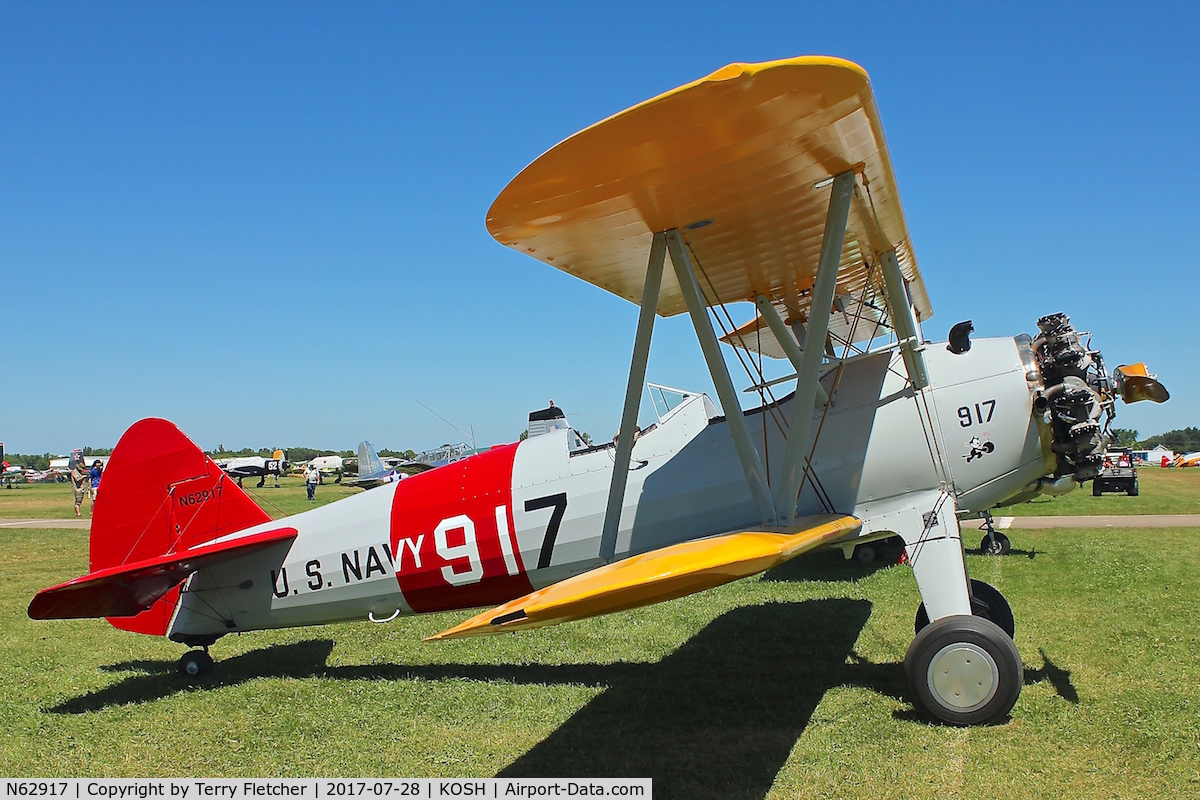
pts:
pixel 265 221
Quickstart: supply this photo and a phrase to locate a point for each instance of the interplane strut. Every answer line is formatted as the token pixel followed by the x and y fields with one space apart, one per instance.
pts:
pixel 791 473
pixel 905 326
pixel 697 310
pixel 633 394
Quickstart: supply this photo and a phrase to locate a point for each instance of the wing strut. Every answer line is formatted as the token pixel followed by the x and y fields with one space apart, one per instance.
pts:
pixel 633 397
pixel 900 310
pixel 824 287
pixel 719 371
pixel 787 341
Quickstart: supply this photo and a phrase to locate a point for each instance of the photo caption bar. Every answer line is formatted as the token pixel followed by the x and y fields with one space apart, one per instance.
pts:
pixel 315 789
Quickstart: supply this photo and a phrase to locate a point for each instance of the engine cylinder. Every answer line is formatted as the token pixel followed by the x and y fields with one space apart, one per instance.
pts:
pixel 1072 391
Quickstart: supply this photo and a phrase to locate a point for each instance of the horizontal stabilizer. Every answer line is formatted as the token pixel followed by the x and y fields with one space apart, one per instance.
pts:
pixel 659 575
pixel 129 589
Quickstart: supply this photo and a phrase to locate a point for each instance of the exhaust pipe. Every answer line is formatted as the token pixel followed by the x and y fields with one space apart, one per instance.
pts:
pixel 1055 487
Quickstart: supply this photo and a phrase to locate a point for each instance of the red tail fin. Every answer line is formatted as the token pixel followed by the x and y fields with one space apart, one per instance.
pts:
pixel 161 494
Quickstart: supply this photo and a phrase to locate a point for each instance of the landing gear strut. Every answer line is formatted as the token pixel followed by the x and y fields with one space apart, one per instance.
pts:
pixel 962 668
pixel 995 543
pixel 986 602
pixel 196 664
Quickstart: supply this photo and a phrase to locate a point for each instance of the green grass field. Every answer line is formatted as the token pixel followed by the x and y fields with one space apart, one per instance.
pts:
pixel 786 685
pixel 57 501
pixel 1160 491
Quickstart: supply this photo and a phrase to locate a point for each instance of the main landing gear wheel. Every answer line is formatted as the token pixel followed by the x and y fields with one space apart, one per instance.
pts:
pixel 986 602
pixel 996 544
pixel 964 670
pixel 195 664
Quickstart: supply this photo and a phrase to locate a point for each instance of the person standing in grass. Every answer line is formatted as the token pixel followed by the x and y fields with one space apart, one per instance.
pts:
pixel 94 478
pixel 312 477
pixel 80 482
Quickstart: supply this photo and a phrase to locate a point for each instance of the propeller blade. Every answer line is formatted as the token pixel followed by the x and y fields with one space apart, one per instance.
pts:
pixel 1138 388
pixel 1135 383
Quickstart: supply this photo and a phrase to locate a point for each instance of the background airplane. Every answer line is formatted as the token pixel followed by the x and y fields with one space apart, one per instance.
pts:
pixel 12 475
pixel 372 471
pixel 257 467
pixel 327 466
pixel 764 183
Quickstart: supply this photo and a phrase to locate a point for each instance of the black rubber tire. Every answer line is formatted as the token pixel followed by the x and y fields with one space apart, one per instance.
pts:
pixel 986 603
pixel 866 553
pixel 964 671
pixel 195 664
pixel 1133 490
pixel 996 545
pixel 1096 489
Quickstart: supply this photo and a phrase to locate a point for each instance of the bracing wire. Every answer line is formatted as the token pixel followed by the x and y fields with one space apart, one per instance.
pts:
pixel 773 408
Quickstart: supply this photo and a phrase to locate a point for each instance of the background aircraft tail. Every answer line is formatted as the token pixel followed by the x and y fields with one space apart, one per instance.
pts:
pixel 369 465
pixel 161 495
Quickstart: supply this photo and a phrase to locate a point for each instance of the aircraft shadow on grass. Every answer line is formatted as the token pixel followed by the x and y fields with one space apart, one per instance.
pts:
pixel 717 717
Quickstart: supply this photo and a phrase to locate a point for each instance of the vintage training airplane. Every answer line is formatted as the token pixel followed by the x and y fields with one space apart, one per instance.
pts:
pixel 1188 460
pixel 257 467
pixel 769 183
pixel 372 472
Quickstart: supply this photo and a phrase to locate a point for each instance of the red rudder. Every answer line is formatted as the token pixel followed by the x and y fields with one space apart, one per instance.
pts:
pixel 161 494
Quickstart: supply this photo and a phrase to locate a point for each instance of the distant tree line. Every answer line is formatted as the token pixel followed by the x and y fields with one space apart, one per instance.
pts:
pixel 31 462
pixel 43 461
pixel 1185 440
pixel 297 455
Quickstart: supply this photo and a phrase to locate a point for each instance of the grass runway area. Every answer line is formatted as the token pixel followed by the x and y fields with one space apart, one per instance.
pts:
pixel 786 685
pixel 1160 491
pixel 57 500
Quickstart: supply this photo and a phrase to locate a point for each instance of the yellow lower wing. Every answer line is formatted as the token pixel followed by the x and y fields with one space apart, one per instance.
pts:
pixel 659 575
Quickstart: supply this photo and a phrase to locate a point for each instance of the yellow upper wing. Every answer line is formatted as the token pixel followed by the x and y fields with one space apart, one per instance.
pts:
pixel 737 161
pixel 656 576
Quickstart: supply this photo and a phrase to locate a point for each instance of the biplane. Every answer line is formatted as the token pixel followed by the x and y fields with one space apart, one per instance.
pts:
pixel 766 184
pixel 1187 460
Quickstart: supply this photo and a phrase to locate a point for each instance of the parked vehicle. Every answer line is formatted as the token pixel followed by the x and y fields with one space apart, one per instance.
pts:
pixel 1118 473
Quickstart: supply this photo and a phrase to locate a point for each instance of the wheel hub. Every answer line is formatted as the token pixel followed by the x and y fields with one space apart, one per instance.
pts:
pixel 963 676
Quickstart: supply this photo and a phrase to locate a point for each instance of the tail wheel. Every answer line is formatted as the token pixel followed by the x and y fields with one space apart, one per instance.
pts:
pixel 964 670
pixel 195 664
pixel 996 544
